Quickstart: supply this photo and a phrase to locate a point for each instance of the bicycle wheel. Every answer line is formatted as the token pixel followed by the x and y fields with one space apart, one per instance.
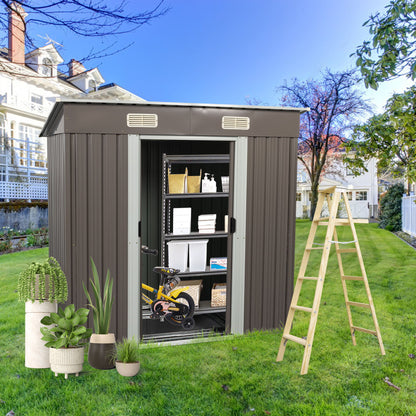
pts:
pixel 187 307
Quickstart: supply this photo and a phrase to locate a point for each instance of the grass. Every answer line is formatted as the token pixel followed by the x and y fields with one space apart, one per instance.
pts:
pixel 239 375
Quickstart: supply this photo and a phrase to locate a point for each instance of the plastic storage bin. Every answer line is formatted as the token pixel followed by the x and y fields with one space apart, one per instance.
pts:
pixel 197 255
pixel 178 255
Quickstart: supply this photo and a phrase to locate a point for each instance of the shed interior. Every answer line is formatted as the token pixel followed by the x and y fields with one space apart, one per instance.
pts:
pixel 156 228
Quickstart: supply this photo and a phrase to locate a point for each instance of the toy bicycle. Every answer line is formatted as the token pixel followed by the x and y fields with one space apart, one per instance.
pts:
pixel 171 305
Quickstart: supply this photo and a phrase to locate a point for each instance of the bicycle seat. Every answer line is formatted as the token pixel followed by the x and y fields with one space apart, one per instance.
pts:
pixel 167 271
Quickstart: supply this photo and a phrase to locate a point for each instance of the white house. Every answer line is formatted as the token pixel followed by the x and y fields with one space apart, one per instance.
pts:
pixel 30 83
pixel 362 190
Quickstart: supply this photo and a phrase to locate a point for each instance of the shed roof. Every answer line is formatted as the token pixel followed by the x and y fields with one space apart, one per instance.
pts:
pixel 72 116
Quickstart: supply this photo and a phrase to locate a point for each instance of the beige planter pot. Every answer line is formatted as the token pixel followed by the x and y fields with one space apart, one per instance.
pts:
pixel 127 369
pixel 36 354
pixel 66 360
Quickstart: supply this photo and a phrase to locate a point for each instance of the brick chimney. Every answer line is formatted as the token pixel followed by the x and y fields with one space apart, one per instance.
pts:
pixel 17 29
pixel 75 68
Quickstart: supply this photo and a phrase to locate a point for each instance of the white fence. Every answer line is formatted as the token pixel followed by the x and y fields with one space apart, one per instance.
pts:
pixel 37 188
pixel 409 215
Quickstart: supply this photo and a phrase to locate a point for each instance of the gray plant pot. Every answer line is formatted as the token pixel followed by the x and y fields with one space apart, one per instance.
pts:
pixel 101 351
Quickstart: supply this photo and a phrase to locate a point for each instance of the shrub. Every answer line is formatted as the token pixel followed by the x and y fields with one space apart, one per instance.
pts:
pixel 391 208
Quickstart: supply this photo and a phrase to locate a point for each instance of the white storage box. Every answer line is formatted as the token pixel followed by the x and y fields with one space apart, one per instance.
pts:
pixel 197 255
pixel 178 255
pixel 182 220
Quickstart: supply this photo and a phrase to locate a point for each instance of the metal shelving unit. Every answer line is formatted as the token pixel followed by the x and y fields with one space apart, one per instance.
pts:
pixel 166 235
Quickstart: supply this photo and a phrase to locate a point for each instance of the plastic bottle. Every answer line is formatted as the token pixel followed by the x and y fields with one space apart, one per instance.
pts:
pixel 213 184
pixel 206 183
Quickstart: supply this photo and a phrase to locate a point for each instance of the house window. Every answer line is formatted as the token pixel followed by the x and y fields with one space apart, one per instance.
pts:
pixel 30 152
pixel 349 196
pixel 361 196
pixel 349 172
pixel 298 196
pixel 3 140
pixel 47 67
pixel 92 85
pixel 36 99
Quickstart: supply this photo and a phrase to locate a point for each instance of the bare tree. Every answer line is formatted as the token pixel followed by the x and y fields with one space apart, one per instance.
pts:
pixel 334 102
pixel 83 18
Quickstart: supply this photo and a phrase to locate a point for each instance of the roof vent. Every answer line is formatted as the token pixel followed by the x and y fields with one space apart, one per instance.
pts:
pixel 235 123
pixel 142 120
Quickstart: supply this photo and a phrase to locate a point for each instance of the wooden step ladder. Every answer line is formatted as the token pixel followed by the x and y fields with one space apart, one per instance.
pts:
pixel 331 238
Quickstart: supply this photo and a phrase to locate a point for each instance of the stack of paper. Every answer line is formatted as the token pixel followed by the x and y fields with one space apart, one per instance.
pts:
pixel 206 223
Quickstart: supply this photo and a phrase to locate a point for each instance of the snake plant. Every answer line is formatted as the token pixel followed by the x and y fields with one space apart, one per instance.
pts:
pixel 103 301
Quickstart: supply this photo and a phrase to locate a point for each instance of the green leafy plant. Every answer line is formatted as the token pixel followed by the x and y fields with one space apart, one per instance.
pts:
pixel 69 330
pixel 43 281
pixel 391 208
pixel 103 301
pixel 127 351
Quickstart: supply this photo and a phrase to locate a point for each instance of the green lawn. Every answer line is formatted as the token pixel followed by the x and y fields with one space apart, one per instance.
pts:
pixel 239 375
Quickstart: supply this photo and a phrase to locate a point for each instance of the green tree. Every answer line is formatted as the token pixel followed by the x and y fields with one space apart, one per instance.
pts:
pixel 392 50
pixel 390 137
pixel 391 208
pixel 333 102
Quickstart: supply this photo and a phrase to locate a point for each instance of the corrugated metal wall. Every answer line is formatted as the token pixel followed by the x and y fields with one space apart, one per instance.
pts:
pixel 271 212
pixel 88 217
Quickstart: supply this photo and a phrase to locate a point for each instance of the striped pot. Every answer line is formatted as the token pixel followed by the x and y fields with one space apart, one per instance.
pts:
pixel 66 360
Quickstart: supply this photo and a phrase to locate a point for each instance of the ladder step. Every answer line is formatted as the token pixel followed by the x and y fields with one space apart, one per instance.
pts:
pixel 359 304
pixel 368 331
pixel 295 339
pixel 352 277
pixel 308 278
pixel 315 248
pixel 347 250
pixel 301 308
pixel 339 222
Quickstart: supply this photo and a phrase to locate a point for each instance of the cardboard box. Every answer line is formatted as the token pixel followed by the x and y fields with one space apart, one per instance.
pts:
pixel 218 263
pixel 182 221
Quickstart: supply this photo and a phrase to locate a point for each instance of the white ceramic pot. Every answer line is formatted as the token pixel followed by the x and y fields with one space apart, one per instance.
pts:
pixel 66 360
pixel 36 354
pixel 127 369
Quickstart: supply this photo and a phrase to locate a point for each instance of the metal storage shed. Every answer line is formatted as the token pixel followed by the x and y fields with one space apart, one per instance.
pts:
pixel 105 173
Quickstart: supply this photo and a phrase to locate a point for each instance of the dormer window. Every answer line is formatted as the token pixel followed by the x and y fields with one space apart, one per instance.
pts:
pixel 92 85
pixel 47 67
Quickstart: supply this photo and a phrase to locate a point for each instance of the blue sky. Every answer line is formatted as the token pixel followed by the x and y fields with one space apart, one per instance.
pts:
pixel 225 51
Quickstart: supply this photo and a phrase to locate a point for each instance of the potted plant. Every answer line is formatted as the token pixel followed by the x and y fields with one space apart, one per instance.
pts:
pixel 66 339
pixel 102 343
pixel 42 286
pixel 127 357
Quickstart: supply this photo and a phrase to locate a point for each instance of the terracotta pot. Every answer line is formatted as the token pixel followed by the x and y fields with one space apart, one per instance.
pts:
pixel 36 354
pixel 66 360
pixel 127 369
pixel 101 351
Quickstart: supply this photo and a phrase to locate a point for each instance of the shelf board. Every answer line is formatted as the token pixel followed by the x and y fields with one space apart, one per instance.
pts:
pixel 217 158
pixel 195 236
pixel 198 195
pixel 205 307
pixel 207 272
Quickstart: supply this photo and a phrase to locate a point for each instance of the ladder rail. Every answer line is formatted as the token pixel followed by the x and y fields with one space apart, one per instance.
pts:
pixel 331 222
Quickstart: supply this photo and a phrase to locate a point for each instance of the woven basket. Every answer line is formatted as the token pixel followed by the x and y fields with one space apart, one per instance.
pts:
pixel 194 289
pixel 218 294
